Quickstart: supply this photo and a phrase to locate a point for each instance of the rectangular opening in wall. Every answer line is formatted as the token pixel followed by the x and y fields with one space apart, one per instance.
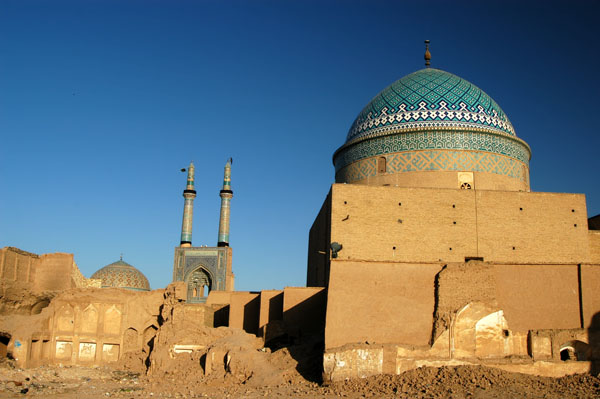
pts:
pixel 45 349
pixel 474 258
pixel 4 340
pixel 35 349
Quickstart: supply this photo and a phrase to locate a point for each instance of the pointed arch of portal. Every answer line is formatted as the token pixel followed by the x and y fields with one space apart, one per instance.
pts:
pixel 199 282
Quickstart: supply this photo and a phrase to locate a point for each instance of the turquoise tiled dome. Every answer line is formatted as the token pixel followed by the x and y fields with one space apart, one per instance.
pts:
pixel 121 274
pixel 432 120
pixel 429 99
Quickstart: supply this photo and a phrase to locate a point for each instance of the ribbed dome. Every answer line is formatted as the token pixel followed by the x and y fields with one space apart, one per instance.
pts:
pixel 121 274
pixel 429 98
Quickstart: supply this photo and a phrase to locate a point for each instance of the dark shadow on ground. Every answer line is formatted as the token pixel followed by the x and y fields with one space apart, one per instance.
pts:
pixel 307 351
pixel 302 332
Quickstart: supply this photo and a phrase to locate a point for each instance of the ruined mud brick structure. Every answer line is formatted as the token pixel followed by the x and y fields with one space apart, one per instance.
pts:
pixel 433 250
pixel 48 272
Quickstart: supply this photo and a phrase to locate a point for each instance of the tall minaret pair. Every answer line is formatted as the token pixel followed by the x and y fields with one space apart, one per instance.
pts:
pixel 188 208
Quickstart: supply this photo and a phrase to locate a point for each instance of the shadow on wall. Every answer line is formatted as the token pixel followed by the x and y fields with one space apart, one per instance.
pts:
pixel 221 317
pixel 4 340
pixel 594 339
pixel 276 308
pixel 251 312
pixel 303 334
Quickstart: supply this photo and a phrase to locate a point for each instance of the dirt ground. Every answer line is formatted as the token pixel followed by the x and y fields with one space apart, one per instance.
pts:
pixel 70 382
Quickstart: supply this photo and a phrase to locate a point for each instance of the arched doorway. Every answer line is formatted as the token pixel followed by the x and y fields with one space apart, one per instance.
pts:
pixel 199 284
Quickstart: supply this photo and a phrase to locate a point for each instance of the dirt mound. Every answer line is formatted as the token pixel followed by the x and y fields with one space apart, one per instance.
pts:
pixel 470 381
pixel 223 356
pixel 447 382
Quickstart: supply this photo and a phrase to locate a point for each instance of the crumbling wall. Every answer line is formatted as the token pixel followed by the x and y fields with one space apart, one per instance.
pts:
pixel 84 326
pixel 16 297
pixel 18 265
pixel 39 273
pixel 80 281
pixel 457 285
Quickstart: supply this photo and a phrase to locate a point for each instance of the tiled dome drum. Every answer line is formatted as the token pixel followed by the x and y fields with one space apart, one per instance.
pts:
pixel 122 275
pixel 432 120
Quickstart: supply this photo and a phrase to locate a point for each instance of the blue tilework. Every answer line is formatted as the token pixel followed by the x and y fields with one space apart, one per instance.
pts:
pixel 449 140
pixel 426 99
pixel 436 160
pixel 121 274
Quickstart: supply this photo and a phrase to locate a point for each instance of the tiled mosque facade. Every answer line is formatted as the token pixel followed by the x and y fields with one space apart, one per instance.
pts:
pixel 205 269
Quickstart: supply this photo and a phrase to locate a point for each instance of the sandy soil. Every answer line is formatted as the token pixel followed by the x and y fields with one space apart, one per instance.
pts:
pixel 447 382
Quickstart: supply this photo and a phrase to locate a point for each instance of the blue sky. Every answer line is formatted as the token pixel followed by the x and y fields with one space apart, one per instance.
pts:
pixel 102 102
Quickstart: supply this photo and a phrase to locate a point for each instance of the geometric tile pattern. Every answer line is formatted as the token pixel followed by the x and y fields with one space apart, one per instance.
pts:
pixel 122 275
pixel 436 160
pixel 430 140
pixel 430 98
pixel 212 261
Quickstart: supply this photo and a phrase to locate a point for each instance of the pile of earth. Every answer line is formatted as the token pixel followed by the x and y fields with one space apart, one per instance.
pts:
pixel 447 382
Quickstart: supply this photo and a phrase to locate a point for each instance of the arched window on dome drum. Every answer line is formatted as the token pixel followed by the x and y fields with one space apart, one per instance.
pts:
pixel 381 165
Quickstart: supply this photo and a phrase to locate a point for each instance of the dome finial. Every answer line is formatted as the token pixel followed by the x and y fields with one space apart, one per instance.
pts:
pixel 427 54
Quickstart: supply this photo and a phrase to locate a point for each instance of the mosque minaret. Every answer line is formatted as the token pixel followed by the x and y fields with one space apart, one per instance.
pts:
pixel 226 194
pixel 203 268
pixel 188 209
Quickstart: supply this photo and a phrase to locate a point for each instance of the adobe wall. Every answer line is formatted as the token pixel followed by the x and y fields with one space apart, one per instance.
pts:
pixel 17 265
pixel 304 310
pixel 390 224
pixel 480 313
pixel 86 326
pixel 271 308
pixel 535 297
pixel 244 311
pixel 541 227
pixel 219 301
pixel 54 272
pixel 394 224
pixel 317 272
pixel 590 287
pixel 594 243
pixel 219 297
pixel 380 302
pixel 271 314
pixel 48 272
